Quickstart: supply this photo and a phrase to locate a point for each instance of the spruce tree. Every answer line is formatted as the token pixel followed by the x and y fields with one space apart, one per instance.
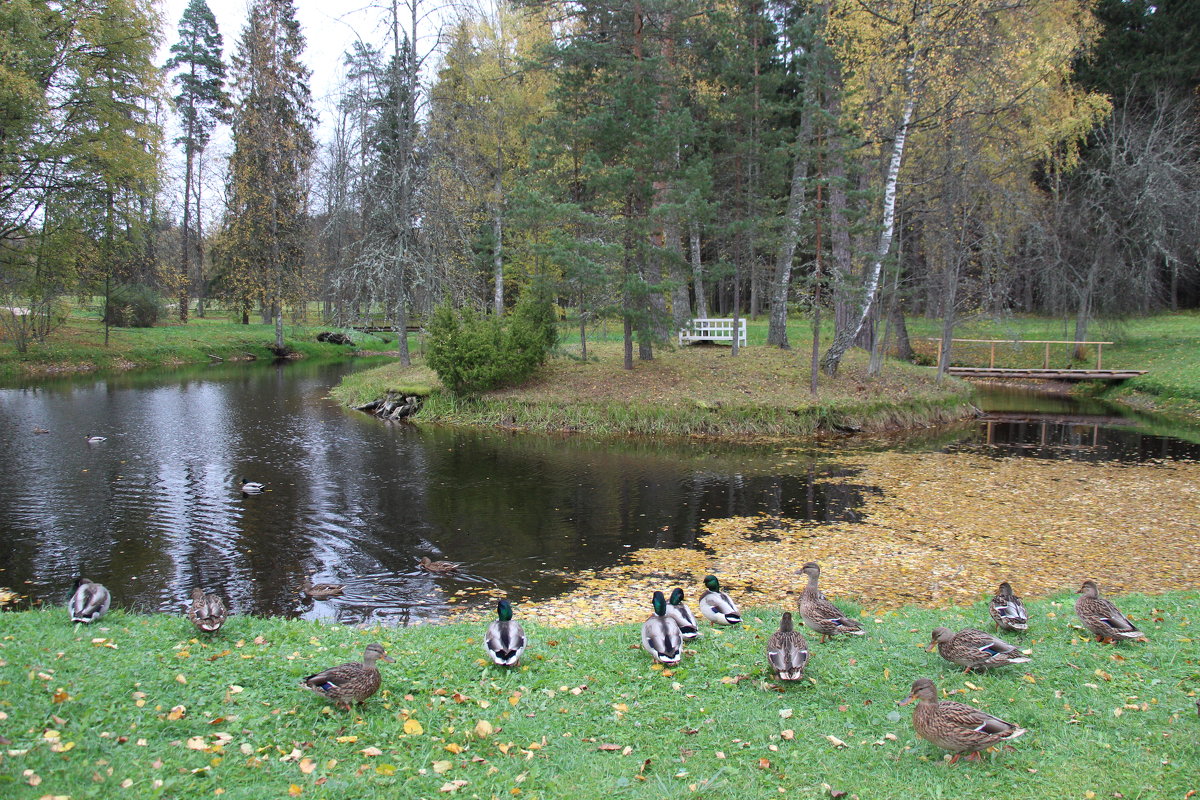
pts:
pixel 265 221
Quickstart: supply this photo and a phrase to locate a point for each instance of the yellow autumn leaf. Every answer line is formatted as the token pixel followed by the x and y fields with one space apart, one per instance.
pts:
pixel 413 728
pixel 295 790
pixel 346 739
pixel 484 729
pixel 454 747
pixel 177 712
pixel 442 767
pixel 307 765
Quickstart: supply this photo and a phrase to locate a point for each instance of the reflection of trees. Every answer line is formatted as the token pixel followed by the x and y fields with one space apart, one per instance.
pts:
pixel 576 507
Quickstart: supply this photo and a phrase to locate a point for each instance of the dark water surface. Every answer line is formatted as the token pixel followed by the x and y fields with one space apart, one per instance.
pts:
pixel 155 508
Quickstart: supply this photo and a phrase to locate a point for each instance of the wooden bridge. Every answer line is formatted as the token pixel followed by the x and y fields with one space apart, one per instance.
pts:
pixel 1045 372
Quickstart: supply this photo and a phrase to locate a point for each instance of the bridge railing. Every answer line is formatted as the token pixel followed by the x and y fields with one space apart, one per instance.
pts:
pixel 1047 342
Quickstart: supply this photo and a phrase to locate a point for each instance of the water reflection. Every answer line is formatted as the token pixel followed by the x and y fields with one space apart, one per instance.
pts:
pixel 1050 426
pixel 155 508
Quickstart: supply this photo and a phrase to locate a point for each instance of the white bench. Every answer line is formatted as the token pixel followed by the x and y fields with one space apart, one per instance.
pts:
pixel 712 330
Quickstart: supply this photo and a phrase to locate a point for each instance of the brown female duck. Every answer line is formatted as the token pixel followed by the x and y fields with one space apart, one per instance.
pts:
pixel 820 614
pixel 351 682
pixel 208 612
pixel 787 651
pixel 974 649
pixel 1103 618
pixel 321 591
pixel 956 727
pixel 1007 610
pixel 438 566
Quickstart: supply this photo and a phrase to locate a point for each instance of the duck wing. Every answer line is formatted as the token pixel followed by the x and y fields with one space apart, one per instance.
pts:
pixel 89 603
pixel 662 639
pixel 505 642
pixel 787 654
pixel 335 677
pixel 718 607
pixel 684 619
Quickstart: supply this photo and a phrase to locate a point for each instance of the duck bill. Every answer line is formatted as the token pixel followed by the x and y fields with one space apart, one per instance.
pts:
pixel 906 700
pixel 929 648
pixel 388 659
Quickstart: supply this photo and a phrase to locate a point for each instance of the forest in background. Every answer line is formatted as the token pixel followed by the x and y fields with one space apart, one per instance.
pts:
pixel 645 161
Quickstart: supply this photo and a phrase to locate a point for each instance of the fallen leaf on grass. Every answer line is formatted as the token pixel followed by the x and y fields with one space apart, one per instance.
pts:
pixel 452 786
pixel 307 765
pixel 835 741
pixel 295 790
pixel 371 751
pixel 177 712
pixel 442 767
pixel 484 729
pixel 413 728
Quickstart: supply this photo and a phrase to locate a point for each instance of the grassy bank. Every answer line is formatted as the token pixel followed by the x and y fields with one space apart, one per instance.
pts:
pixel 686 391
pixel 79 346
pixel 137 706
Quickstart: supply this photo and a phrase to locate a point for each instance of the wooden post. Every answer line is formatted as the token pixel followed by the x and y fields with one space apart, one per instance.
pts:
pixel 992 360
pixel 1100 355
pixel 1046 360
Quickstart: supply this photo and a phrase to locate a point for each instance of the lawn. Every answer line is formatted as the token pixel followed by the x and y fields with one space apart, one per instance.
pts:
pixel 141 706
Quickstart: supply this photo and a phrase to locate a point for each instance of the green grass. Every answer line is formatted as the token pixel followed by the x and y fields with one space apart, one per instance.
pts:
pixel 79 346
pixel 712 728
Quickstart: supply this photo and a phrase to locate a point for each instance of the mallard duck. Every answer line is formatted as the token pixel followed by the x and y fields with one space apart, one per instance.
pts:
pixel 89 601
pixel 974 649
pixel 820 614
pixel 678 611
pixel 1103 618
pixel 787 651
pixel 716 606
pixel 352 682
pixel 321 591
pixel 660 634
pixel 505 639
pixel 1007 610
pixel 438 566
pixel 95 439
pixel 251 487
pixel 953 726
pixel 208 612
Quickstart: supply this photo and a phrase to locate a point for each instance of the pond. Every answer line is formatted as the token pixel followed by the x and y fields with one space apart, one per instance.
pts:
pixel 155 507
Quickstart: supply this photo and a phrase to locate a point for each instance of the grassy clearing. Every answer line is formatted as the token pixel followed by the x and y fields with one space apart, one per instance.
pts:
pixel 587 715
pixel 685 391
pixel 79 345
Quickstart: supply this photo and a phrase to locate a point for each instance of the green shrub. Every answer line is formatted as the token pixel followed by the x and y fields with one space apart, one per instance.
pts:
pixel 133 306
pixel 472 353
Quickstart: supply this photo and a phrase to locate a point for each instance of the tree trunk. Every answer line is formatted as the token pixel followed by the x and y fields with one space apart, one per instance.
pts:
pixel 497 230
pixel 843 339
pixel 782 279
pixel 185 267
pixel 698 272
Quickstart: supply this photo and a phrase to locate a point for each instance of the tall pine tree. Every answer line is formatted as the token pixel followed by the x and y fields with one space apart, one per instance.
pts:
pixel 202 102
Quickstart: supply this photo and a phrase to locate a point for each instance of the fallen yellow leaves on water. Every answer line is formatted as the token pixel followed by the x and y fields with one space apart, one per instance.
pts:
pixel 942 529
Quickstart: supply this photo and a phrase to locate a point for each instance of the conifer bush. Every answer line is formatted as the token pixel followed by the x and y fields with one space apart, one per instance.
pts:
pixel 472 353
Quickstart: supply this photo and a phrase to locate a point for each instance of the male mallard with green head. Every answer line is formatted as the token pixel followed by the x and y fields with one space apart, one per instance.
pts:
pixel 956 727
pixel 787 651
pixel 716 606
pixel 820 614
pixel 1103 618
pixel 208 612
pixel 505 639
pixel 351 682
pixel 974 649
pixel 660 634
pixel 678 611
pixel 1007 610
